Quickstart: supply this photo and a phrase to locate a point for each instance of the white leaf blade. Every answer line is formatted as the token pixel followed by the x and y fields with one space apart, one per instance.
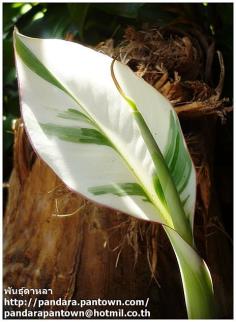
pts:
pixel 129 152
pixel 114 119
pixel 76 163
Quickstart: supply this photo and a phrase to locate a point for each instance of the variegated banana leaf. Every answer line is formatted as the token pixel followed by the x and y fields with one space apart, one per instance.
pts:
pixel 113 138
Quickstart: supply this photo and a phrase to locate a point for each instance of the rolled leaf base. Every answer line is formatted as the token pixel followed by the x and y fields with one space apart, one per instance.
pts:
pixel 197 282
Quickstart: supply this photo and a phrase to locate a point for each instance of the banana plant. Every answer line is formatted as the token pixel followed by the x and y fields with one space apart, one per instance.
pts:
pixel 113 138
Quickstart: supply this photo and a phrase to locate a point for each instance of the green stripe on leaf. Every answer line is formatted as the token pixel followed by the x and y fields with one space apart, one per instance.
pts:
pixel 120 189
pixel 33 63
pixel 76 135
pixel 176 155
pixel 172 134
pixel 159 190
pixel 185 200
pixel 72 114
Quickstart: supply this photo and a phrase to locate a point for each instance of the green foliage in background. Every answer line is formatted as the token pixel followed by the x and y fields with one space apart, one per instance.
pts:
pixel 91 23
